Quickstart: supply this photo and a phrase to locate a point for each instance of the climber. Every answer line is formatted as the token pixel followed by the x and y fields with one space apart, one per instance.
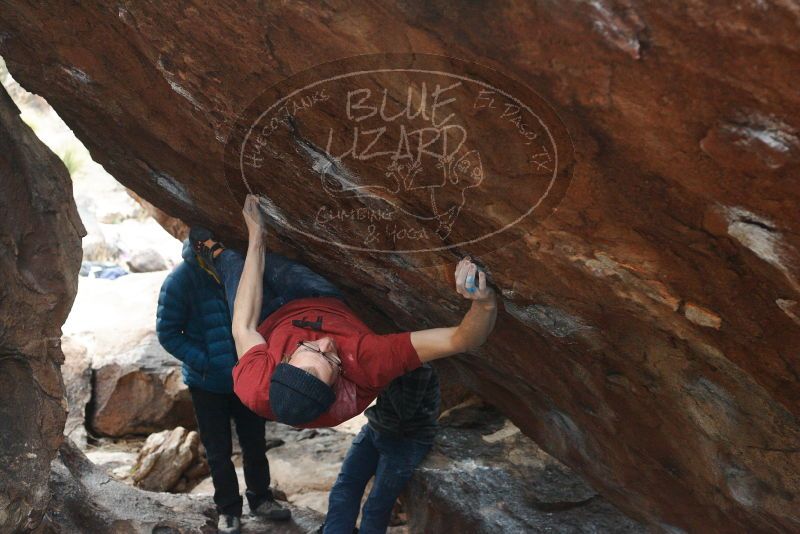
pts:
pixel 194 325
pixel 305 359
pixel 398 436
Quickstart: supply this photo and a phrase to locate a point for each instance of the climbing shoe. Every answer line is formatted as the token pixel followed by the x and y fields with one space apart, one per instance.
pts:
pixel 270 509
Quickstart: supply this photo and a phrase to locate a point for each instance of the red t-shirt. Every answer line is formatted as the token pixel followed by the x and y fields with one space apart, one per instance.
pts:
pixel 369 361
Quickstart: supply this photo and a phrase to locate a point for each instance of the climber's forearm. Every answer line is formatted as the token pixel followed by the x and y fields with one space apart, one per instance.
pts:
pixel 249 295
pixel 474 328
pixel 471 333
pixel 476 325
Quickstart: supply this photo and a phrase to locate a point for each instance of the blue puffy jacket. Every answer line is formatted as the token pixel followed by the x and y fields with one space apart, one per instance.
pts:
pixel 194 325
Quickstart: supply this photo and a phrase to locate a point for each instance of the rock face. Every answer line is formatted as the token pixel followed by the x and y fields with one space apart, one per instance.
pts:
pixel 171 460
pixel 650 326
pixel 483 475
pixel 40 256
pixel 306 463
pixel 77 373
pixel 136 386
pixel 139 392
pixel 174 226
pixel 84 499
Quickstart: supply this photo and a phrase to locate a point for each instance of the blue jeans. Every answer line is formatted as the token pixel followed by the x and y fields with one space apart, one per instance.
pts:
pixel 284 280
pixel 392 461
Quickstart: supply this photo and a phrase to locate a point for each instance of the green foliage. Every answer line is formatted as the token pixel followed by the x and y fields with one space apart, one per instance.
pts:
pixel 74 158
pixel 32 122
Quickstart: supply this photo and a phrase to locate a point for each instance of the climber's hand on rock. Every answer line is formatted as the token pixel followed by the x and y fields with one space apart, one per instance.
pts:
pixel 471 282
pixel 253 216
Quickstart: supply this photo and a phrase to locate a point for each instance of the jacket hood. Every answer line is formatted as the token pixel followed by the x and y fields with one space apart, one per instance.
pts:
pixel 188 253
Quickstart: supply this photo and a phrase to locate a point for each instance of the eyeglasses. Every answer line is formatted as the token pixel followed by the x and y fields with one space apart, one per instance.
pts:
pixel 332 360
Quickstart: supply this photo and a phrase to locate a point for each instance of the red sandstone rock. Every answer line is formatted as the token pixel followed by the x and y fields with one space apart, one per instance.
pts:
pixel 139 396
pixel 703 317
pixel 756 144
pixel 683 121
pixel 136 385
pixel 482 475
pixel 39 259
pixel 174 226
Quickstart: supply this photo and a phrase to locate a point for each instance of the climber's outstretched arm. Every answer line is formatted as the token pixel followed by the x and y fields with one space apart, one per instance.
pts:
pixel 247 305
pixel 476 325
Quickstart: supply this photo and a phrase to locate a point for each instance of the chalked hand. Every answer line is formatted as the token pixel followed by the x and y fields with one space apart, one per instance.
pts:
pixel 254 216
pixel 471 281
pixel 470 285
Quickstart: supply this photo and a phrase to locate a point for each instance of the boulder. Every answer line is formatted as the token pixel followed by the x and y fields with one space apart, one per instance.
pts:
pixel 648 334
pixel 138 392
pixel 40 254
pixel 483 476
pixel 307 462
pixel 136 385
pixel 171 460
pixel 147 261
pixel 96 246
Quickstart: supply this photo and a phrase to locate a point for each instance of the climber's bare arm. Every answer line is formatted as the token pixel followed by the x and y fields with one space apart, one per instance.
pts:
pixel 247 305
pixel 476 325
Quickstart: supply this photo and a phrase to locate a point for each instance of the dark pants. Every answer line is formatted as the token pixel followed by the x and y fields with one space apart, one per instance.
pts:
pixel 284 280
pixel 214 412
pixel 392 461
